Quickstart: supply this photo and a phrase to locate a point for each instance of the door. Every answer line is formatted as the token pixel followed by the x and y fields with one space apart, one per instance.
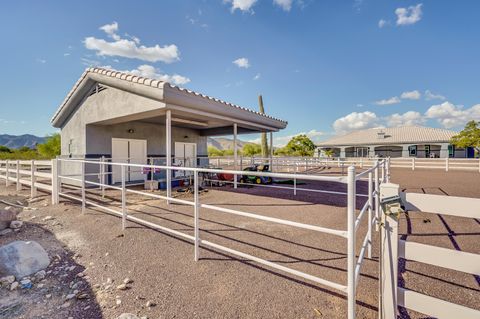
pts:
pixel 186 156
pixel 128 151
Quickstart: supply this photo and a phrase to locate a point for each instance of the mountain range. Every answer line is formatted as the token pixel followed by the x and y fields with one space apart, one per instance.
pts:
pixel 17 141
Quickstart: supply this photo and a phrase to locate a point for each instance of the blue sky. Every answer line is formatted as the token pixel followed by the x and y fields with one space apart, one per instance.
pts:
pixel 326 66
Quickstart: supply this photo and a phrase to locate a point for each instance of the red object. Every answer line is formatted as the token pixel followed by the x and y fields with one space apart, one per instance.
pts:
pixel 225 177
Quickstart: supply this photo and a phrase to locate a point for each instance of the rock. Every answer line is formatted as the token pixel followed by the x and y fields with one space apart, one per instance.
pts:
pixel 7 280
pixel 5 232
pixel 22 258
pixel 70 296
pixel 127 316
pixel 40 275
pixel 118 302
pixel 66 305
pixel 47 218
pixel 14 285
pixel 7 216
pixel 16 224
pixel 109 281
pixel 127 281
pixel 48 296
pixel 122 287
pixel 82 296
pixel 150 304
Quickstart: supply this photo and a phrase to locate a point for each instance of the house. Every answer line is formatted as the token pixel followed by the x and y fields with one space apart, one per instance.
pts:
pixel 405 141
pixel 129 119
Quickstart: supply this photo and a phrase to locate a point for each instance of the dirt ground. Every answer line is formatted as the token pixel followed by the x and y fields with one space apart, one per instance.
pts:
pixel 163 271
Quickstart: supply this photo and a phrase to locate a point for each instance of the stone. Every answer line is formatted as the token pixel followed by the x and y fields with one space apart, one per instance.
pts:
pixel 109 281
pixel 150 304
pixel 127 316
pixel 70 296
pixel 122 287
pixel 7 216
pixel 7 280
pixel 40 275
pixel 22 258
pixel 14 285
pixel 127 281
pixel 16 224
pixel 82 296
pixel 48 296
pixel 47 218
pixel 5 231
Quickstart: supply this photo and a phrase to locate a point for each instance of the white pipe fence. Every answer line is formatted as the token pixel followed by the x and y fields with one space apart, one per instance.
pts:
pixel 59 173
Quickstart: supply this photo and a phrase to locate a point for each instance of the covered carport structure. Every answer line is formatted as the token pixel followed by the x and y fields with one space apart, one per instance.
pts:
pixel 107 109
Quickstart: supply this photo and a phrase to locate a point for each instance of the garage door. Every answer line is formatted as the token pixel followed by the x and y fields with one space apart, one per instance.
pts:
pixel 128 151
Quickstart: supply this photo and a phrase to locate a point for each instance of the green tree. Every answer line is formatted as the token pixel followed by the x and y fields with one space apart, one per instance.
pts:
pixel 251 149
pixel 213 151
pixel 468 137
pixel 329 152
pixel 300 145
pixel 51 148
pixel 4 149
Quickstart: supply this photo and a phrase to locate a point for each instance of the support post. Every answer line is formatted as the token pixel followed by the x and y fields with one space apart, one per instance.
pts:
pixel 388 169
pixel 55 190
pixel 383 171
pixel 389 254
pixel 271 151
pixel 18 184
pixel 196 217
pixel 351 263
pixel 168 145
pixel 7 173
pixel 235 155
pixel 33 189
pixel 370 206
pixel 83 187
pixel 413 163
pixel 446 164
pixel 295 184
pixel 124 199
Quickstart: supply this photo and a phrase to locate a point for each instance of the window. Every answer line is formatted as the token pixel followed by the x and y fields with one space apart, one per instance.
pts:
pixel 412 150
pixel 427 151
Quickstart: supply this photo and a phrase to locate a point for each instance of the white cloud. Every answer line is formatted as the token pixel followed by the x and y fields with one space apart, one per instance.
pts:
pixel 66 54
pixel 392 100
pixel 111 30
pixel 432 96
pixel 382 23
pixel 406 119
pixel 42 61
pixel 257 76
pixel 242 5
pixel 149 71
pixel 286 5
pixel 411 95
pixel 130 48
pixel 410 15
pixel 242 63
pixel 355 121
pixel 450 115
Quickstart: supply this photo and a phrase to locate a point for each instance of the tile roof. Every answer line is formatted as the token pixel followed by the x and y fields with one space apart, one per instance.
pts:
pixel 393 135
pixel 153 83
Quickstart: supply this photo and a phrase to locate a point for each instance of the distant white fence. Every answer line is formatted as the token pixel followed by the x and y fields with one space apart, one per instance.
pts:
pixel 299 164
pixel 393 296
pixel 49 176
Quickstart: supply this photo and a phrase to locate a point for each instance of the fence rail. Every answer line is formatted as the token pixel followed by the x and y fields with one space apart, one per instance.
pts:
pixel 62 181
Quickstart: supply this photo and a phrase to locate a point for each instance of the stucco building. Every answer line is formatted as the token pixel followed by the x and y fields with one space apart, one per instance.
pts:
pixel 131 118
pixel 405 141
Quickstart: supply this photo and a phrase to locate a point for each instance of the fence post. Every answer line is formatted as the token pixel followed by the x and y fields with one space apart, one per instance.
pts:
pixel 83 186
pixel 388 169
pixel 413 163
pixel 370 205
pixel 18 184
pixel 54 171
pixel 389 253
pixel 446 164
pixel 33 189
pixel 196 217
pixel 102 172
pixel 383 171
pixel 295 184
pixel 377 192
pixel 124 199
pixel 351 242
pixel 7 174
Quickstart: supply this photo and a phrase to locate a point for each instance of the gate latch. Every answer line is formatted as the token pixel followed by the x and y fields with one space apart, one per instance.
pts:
pixel 392 206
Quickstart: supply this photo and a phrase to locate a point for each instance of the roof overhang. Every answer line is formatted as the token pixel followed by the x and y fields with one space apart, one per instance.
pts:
pixel 172 97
